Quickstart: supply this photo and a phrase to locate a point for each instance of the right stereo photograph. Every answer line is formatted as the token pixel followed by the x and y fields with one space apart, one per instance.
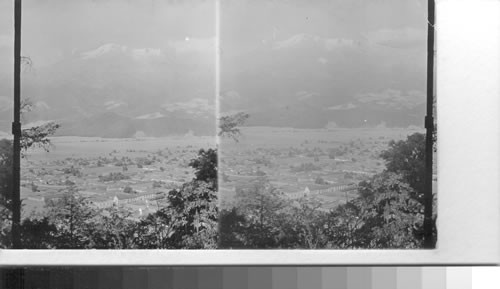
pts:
pixel 322 141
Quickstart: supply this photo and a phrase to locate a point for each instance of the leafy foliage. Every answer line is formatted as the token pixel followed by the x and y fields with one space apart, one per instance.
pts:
pixel 112 228
pixel 188 221
pixel 195 215
pixel 71 215
pixel 38 233
pixel 260 205
pixel 386 214
pixel 205 166
pixel 228 125
pixel 38 136
pixel 231 229
pixel 303 225
pixel 189 217
pixel 407 158
pixel 5 191
pixel 155 231
pixel 5 173
pixel 391 212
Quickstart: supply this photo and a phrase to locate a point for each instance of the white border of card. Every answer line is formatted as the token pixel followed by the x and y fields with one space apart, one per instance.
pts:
pixel 468 104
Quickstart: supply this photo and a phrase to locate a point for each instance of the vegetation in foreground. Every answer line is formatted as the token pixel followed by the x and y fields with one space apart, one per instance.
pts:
pixel 387 213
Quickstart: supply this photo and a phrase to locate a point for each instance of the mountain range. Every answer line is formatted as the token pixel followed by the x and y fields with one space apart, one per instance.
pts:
pixel 308 81
pixel 302 81
pixel 117 91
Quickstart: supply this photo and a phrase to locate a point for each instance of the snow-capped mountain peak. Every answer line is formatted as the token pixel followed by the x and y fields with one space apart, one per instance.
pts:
pixel 155 115
pixel 325 43
pixel 104 49
pixel 295 40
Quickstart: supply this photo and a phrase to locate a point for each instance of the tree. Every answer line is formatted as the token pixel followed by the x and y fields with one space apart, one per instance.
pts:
pixel 189 217
pixel 154 231
pixel 231 229
pixel 205 166
pixel 37 233
pixel 36 136
pixel 260 204
pixel 228 125
pixel 5 191
pixel 384 215
pixel 344 227
pixel 302 225
pixel 407 157
pixel 195 215
pixel 189 220
pixel 394 216
pixel 5 172
pixel 320 181
pixel 112 228
pixel 128 190
pixel 71 215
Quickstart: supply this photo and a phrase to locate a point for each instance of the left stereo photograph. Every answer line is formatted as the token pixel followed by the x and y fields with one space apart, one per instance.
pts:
pixel 118 145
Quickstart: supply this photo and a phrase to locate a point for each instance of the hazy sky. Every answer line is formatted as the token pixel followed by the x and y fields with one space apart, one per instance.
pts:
pixel 58 35
pixel 345 61
pixel 333 55
pixel 246 22
pixel 54 28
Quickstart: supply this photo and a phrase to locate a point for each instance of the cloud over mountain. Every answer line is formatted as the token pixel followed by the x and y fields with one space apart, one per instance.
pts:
pixel 194 106
pixel 392 99
pixel 406 37
pixel 125 86
pixel 317 76
pixel 310 63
